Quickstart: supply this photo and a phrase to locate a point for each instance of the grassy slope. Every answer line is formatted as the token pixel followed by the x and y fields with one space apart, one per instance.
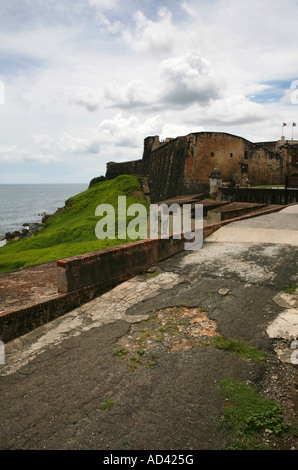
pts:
pixel 71 230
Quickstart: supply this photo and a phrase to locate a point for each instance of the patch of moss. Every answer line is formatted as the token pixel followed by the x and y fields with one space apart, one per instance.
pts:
pixel 152 275
pixel 238 347
pixel 106 404
pixel 248 414
pixel 122 353
pixel 291 289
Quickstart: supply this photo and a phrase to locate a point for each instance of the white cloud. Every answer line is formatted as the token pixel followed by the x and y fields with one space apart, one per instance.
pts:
pixel 102 8
pixel 132 95
pixel 181 81
pixel 104 4
pixel 15 154
pixel 89 98
pixel 69 143
pixel 152 36
pixel 128 131
pixel 188 79
pixel 238 111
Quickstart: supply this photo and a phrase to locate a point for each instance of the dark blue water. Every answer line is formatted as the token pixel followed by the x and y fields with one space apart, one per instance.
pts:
pixel 24 203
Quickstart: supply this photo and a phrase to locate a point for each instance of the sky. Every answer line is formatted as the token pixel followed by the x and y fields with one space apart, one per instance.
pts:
pixel 84 82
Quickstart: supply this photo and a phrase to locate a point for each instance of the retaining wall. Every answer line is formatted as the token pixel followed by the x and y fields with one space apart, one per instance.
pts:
pixel 112 264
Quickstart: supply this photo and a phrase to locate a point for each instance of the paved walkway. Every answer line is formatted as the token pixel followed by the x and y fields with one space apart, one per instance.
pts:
pixel 280 227
pixel 130 370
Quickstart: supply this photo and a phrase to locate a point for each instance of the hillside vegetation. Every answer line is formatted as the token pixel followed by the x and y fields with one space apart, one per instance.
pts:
pixel 71 230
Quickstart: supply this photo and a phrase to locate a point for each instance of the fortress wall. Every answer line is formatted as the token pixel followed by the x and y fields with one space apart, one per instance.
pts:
pixel 293 158
pixel 182 166
pixel 209 150
pixel 237 159
pixel 165 168
pixel 273 146
pixel 264 166
pixel 124 168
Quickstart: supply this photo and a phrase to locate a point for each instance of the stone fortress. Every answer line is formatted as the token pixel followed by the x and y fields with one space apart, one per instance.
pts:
pixel 183 165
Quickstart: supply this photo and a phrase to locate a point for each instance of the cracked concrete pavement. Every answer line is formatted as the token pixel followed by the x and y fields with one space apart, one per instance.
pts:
pixel 56 377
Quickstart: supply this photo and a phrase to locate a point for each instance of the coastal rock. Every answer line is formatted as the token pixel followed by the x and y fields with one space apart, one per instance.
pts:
pixel 45 216
pixel 27 231
pixel 9 235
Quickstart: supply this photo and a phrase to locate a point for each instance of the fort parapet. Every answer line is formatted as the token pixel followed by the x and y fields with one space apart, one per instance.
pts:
pixel 182 165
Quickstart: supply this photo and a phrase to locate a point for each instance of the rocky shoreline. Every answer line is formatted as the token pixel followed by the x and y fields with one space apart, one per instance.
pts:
pixel 27 232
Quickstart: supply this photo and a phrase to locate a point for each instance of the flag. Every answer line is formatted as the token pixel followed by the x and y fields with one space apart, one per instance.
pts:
pixel 284 124
pixel 294 124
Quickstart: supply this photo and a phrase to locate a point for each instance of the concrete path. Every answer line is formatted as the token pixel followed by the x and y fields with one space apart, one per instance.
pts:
pixel 131 369
pixel 280 227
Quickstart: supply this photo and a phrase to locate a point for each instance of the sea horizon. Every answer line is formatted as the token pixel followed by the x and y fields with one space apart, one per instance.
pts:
pixel 24 203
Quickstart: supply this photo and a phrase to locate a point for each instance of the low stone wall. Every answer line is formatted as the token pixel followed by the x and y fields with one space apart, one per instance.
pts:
pixel 259 195
pixel 114 264
pixel 230 211
pixel 16 323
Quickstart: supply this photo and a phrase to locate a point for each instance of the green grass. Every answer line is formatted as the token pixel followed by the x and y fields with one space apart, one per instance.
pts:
pixel 238 347
pixel 151 275
pixel 292 288
pixel 105 405
pixel 122 353
pixel 71 230
pixel 248 414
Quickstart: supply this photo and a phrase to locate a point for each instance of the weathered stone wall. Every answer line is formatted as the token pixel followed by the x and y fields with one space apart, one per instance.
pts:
pixel 165 169
pixel 208 150
pixel 265 166
pixel 114 264
pixel 293 159
pixel 237 159
pixel 124 168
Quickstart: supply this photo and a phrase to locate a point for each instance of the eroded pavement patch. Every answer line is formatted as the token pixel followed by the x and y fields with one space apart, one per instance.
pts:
pixel 166 330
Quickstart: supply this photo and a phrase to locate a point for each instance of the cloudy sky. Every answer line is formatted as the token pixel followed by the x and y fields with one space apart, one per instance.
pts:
pixel 83 82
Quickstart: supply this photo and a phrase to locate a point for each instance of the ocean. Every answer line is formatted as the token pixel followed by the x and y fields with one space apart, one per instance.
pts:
pixel 25 203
